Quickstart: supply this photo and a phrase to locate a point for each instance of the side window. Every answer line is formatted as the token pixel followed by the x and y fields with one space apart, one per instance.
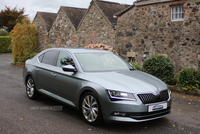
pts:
pixel 41 57
pixel 50 57
pixel 64 59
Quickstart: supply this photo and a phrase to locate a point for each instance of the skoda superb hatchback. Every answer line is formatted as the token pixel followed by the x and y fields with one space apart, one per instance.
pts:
pixel 100 84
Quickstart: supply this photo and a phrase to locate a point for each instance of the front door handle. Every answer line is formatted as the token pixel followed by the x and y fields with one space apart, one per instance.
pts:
pixel 37 69
pixel 53 74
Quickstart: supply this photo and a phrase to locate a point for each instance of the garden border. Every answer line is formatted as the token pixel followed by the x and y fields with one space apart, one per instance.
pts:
pixel 179 90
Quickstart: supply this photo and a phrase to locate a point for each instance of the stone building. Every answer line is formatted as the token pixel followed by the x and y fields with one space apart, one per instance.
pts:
pixel 77 27
pixel 43 21
pixel 148 27
pixel 98 24
pixel 160 27
pixel 63 30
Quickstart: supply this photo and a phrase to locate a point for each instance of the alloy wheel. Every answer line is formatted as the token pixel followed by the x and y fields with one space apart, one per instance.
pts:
pixel 30 87
pixel 90 108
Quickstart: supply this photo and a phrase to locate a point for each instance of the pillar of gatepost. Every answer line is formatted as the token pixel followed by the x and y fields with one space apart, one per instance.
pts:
pixel 130 56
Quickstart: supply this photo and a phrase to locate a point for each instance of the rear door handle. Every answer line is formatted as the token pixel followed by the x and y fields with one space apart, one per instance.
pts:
pixel 53 74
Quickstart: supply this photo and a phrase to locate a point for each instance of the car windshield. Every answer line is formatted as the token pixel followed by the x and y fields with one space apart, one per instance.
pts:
pixel 94 62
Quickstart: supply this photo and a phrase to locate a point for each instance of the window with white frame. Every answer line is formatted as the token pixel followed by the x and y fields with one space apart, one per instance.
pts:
pixel 177 13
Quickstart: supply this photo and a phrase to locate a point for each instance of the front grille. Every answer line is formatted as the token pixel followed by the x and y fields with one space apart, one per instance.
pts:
pixel 151 98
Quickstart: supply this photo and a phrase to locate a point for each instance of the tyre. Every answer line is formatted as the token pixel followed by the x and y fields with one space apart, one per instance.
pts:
pixel 31 89
pixel 91 109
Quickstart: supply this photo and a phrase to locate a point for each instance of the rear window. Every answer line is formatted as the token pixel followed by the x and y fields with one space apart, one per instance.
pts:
pixel 50 57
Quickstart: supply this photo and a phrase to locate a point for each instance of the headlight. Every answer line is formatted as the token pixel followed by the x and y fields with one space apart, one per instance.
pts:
pixel 117 95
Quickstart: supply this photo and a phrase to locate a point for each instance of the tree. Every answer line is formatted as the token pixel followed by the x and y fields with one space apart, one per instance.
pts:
pixel 24 41
pixel 10 17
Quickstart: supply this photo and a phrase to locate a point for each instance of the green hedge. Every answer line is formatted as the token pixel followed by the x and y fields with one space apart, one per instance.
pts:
pixel 136 66
pixel 4 33
pixel 189 79
pixel 4 44
pixel 160 67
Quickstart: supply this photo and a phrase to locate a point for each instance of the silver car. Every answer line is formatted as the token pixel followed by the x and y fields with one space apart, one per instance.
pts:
pixel 99 83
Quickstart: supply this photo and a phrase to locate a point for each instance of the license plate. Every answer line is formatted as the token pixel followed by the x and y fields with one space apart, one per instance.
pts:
pixel 157 107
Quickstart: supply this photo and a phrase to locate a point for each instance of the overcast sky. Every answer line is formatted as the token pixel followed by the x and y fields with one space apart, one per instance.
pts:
pixel 32 6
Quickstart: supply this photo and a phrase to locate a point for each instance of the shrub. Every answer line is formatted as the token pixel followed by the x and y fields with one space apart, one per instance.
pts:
pixel 24 41
pixel 4 33
pixel 47 47
pixel 29 55
pixel 189 79
pixel 136 66
pixel 159 66
pixel 4 44
pixel 101 46
pixel 173 81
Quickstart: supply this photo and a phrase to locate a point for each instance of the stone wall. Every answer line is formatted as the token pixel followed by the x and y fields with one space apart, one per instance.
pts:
pixel 62 32
pixel 148 30
pixel 95 28
pixel 42 33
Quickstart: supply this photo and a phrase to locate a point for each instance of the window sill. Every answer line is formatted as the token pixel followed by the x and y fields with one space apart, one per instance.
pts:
pixel 177 20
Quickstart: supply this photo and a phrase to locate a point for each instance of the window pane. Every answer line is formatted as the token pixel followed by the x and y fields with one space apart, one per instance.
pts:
pixel 41 58
pixel 177 12
pixel 180 9
pixel 49 57
pixel 176 9
pixel 173 10
pixel 64 59
pixel 180 16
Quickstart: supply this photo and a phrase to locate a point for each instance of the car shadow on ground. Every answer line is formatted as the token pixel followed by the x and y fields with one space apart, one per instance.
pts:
pixel 114 127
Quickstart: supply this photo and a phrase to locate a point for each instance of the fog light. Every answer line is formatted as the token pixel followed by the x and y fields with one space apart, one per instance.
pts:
pixel 119 114
pixel 116 113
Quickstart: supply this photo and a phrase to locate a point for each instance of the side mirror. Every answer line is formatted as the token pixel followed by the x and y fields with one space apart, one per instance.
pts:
pixel 69 68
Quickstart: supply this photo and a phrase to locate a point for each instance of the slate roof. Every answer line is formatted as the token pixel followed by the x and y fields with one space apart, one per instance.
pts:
pixel 74 14
pixel 145 2
pixel 48 18
pixel 141 1
pixel 110 8
pixel 123 11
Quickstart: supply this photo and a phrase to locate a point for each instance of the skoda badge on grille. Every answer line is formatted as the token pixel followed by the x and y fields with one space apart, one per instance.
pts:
pixel 156 91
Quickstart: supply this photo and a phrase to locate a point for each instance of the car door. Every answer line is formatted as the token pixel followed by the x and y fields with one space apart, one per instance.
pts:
pixel 66 82
pixel 45 74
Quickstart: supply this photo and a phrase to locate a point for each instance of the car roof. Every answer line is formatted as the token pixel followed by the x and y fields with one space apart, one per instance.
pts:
pixel 79 50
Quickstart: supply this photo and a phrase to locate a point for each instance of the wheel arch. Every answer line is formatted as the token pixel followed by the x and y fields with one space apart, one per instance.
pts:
pixel 84 91
pixel 28 75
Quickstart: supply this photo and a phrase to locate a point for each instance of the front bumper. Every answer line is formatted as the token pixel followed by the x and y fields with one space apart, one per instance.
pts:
pixel 133 111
